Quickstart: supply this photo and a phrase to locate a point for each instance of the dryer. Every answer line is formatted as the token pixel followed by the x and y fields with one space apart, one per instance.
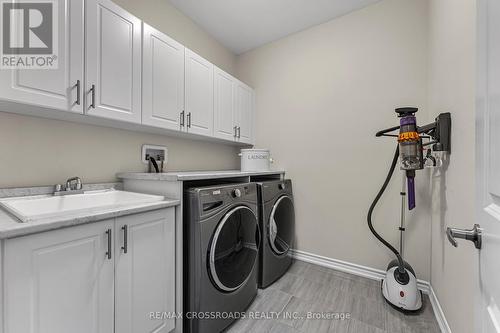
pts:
pixel 221 249
pixel 277 223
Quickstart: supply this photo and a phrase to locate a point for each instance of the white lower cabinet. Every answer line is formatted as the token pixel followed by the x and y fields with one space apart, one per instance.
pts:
pixel 59 281
pixel 145 272
pixel 80 280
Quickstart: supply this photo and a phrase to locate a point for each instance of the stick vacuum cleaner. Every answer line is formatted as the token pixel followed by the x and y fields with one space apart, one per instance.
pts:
pixel 400 284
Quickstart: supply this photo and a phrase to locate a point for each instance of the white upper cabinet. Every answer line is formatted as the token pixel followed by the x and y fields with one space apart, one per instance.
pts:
pixel 112 65
pixel 233 108
pixel 145 271
pixel 199 94
pixel 60 88
pixel 113 62
pixel 224 105
pixel 163 80
pixel 244 97
pixel 60 281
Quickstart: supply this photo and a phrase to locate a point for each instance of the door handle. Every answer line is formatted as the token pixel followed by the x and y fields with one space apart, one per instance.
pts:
pixel 182 118
pixel 474 235
pixel 77 85
pixel 108 253
pixel 189 119
pixel 239 132
pixel 236 131
pixel 92 92
pixel 125 239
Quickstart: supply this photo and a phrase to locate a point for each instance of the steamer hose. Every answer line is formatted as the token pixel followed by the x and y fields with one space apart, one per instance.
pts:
pixel 372 207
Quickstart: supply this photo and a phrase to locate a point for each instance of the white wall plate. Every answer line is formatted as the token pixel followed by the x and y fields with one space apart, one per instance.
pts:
pixel 159 152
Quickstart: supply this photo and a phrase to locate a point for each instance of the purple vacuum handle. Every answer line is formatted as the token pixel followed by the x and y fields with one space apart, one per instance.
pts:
pixel 411 192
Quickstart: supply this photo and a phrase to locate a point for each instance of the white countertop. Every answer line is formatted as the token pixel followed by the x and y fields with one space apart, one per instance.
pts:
pixel 10 226
pixel 195 175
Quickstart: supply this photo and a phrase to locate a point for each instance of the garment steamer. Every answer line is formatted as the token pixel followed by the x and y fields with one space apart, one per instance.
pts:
pixel 400 284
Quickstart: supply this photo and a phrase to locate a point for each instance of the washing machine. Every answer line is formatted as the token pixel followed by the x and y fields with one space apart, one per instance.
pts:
pixel 277 223
pixel 221 251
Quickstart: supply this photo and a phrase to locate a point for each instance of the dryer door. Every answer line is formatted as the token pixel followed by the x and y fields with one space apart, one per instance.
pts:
pixel 281 226
pixel 234 249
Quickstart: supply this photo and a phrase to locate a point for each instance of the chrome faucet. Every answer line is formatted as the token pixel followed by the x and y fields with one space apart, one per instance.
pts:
pixel 73 186
pixel 77 181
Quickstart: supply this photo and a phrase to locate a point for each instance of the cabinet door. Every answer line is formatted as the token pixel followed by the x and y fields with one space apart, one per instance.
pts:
pixel 244 112
pixel 224 105
pixel 145 273
pixel 53 88
pixel 113 62
pixel 60 281
pixel 163 80
pixel 199 104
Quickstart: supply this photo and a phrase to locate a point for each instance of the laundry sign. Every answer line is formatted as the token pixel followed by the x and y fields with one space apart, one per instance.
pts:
pixel 29 34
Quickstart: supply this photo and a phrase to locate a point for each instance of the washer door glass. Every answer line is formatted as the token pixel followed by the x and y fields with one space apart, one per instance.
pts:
pixel 234 249
pixel 281 225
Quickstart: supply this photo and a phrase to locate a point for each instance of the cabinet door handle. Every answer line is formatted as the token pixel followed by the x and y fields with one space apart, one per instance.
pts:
pixel 239 132
pixel 108 253
pixel 183 113
pixel 189 119
pixel 92 92
pixel 235 131
pixel 77 85
pixel 125 239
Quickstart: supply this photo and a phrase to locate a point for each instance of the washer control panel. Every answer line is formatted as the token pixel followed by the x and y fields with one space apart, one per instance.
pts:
pixel 212 197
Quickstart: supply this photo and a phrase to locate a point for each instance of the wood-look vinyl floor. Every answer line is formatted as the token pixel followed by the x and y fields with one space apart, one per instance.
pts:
pixel 308 290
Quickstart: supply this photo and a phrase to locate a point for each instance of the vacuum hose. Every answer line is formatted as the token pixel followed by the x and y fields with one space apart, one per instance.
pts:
pixel 372 207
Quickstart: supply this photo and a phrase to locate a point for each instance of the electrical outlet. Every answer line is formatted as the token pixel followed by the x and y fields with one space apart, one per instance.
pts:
pixel 158 152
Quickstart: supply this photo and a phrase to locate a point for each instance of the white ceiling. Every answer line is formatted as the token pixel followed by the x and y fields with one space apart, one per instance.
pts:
pixel 242 25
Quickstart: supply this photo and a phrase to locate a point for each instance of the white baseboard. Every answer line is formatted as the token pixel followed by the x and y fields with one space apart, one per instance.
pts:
pixel 438 312
pixel 348 267
pixel 375 274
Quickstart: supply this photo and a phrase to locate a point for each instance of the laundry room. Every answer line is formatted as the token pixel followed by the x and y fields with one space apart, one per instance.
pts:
pixel 249 166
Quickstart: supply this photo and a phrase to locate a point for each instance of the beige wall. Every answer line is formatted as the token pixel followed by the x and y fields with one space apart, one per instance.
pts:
pixel 43 152
pixel 452 88
pixel 37 151
pixel 321 95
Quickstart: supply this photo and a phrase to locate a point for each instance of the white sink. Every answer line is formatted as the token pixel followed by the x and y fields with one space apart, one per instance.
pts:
pixel 32 208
